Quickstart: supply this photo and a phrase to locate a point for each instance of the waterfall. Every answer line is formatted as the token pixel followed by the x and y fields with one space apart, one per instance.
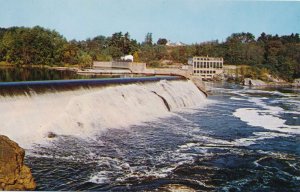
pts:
pixel 84 112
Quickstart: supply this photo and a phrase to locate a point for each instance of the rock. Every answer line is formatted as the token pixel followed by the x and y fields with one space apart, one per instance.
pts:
pixel 51 135
pixel 296 83
pixel 253 82
pixel 176 188
pixel 14 175
pixel 275 79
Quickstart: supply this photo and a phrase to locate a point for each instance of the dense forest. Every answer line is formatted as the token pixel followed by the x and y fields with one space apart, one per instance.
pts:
pixel 278 55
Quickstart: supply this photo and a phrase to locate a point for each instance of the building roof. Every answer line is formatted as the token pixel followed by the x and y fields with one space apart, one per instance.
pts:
pixel 172 44
pixel 208 58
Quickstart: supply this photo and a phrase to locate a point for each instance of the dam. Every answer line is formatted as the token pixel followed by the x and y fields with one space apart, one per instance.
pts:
pixel 83 108
pixel 162 134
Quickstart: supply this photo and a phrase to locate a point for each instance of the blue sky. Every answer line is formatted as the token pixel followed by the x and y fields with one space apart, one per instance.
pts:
pixel 189 21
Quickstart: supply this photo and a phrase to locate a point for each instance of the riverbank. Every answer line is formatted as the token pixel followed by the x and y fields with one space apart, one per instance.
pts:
pixel 260 83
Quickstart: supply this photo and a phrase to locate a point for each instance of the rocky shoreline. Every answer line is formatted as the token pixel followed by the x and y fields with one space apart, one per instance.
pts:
pixel 260 83
pixel 14 175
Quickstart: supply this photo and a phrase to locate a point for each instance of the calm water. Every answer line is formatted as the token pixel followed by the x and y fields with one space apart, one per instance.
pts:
pixel 8 74
pixel 243 140
pixel 12 74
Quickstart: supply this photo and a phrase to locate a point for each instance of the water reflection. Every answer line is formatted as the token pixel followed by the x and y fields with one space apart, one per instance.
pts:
pixel 17 73
pixel 8 74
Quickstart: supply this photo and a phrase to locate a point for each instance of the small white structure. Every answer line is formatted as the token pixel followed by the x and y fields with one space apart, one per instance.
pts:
pixel 176 44
pixel 127 58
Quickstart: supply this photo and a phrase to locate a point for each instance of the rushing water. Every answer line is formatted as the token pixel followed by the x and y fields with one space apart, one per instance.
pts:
pixel 239 139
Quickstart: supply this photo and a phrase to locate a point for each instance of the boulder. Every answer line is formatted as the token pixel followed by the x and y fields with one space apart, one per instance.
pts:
pixel 275 79
pixel 296 83
pixel 51 135
pixel 14 175
pixel 176 188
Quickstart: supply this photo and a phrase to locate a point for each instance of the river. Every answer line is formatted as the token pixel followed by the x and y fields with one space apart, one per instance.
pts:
pixel 238 139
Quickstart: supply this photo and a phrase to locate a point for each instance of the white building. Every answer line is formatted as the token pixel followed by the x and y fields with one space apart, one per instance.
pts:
pixel 127 58
pixel 176 44
pixel 206 67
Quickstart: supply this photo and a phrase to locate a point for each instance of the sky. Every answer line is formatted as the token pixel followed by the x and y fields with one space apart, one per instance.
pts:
pixel 187 21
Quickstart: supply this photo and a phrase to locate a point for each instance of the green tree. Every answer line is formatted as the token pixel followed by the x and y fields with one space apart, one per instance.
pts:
pixel 35 45
pixel 148 39
pixel 70 53
pixel 136 57
pixel 162 41
pixel 85 60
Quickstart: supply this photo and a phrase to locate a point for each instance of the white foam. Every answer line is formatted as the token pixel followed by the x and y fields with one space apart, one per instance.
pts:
pixel 100 177
pixel 257 136
pixel 269 116
pixel 126 171
pixel 267 119
pixel 258 91
pixel 85 112
pixel 237 98
pixel 261 103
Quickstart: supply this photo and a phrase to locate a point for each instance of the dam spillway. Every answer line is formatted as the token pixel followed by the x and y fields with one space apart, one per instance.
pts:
pixel 24 87
pixel 88 109
pixel 123 137
pixel 101 81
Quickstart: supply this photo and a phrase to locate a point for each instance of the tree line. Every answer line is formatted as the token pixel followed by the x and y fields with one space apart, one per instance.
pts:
pixel 278 55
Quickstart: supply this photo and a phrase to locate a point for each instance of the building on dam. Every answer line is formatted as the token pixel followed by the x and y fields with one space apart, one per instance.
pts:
pixel 206 67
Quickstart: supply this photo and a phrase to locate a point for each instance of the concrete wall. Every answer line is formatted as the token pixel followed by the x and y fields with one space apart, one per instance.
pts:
pixel 121 65
pixel 102 64
pixel 168 71
pixel 134 67
pixel 138 67
pixel 141 68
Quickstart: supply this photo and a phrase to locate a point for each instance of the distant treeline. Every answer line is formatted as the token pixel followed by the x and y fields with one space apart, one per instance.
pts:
pixel 278 55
